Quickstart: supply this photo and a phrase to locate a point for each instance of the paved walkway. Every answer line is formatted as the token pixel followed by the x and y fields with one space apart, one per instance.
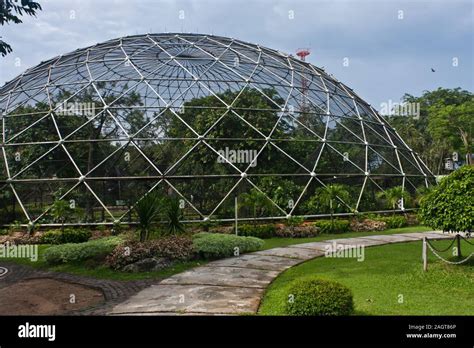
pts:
pixel 236 285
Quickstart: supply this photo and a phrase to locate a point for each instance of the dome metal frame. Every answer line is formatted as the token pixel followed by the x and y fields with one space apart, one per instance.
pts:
pixel 163 74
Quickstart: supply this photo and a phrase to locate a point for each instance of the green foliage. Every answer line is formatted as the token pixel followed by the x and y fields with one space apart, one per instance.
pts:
pixel 174 215
pixel 173 248
pixel 445 125
pixel 216 245
pixel 204 115
pixel 311 296
pixel 450 205
pixel 68 235
pixel 66 253
pixel 279 190
pixel 257 202
pixel 60 210
pixel 329 199
pixel 395 221
pixel 259 231
pixel 334 226
pixel 147 209
pixel 294 221
pixel 392 195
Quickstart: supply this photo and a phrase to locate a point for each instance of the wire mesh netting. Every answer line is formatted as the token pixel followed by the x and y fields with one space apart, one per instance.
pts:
pixel 201 118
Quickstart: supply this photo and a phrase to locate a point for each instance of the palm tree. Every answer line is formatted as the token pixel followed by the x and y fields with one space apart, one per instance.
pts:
pixel 393 195
pixel 333 195
pixel 147 209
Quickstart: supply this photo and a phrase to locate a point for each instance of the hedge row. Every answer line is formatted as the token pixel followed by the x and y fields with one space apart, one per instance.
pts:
pixel 68 235
pixel 71 252
pixel 216 245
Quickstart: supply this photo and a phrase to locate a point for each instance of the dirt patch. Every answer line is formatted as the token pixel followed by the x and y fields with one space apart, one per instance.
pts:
pixel 46 297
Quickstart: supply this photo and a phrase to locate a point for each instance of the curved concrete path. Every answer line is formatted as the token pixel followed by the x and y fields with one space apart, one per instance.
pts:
pixel 236 285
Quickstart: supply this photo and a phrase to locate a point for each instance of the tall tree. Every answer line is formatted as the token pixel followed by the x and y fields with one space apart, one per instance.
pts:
pixel 444 125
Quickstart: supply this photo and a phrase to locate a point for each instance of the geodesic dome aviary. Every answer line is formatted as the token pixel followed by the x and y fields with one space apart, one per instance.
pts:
pixel 199 117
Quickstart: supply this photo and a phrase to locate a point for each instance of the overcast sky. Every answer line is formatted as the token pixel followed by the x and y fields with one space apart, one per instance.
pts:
pixel 391 45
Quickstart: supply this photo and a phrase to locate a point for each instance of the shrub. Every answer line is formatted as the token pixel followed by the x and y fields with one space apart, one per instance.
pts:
pixel 259 231
pixel 209 245
pixel 294 221
pixel 335 226
pixel 68 235
pixel 70 252
pixel 394 221
pixel 127 253
pixel 412 220
pixel 367 225
pixel 312 296
pixel 172 248
pixel 298 231
pixel 449 206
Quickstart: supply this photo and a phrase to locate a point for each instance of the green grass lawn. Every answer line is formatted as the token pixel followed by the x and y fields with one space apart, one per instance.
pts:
pixel 279 242
pixel 389 273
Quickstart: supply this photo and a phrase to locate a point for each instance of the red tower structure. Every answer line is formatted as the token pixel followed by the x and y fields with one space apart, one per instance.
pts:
pixel 303 53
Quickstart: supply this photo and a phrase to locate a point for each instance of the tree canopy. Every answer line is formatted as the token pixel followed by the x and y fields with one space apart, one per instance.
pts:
pixel 445 125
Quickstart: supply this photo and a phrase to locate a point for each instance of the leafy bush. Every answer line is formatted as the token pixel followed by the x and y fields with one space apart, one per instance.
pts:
pixel 259 231
pixel 312 296
pixel 70 252
pixel 298 231
pixel 172 248
pixel 394 221
pixel 450 205
pixel 68 235
pixel 335 226
pixel 367 225
pixel 294 221
pixel 209 245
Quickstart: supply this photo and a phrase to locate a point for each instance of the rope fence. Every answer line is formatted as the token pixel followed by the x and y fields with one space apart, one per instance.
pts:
pixel 428 244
